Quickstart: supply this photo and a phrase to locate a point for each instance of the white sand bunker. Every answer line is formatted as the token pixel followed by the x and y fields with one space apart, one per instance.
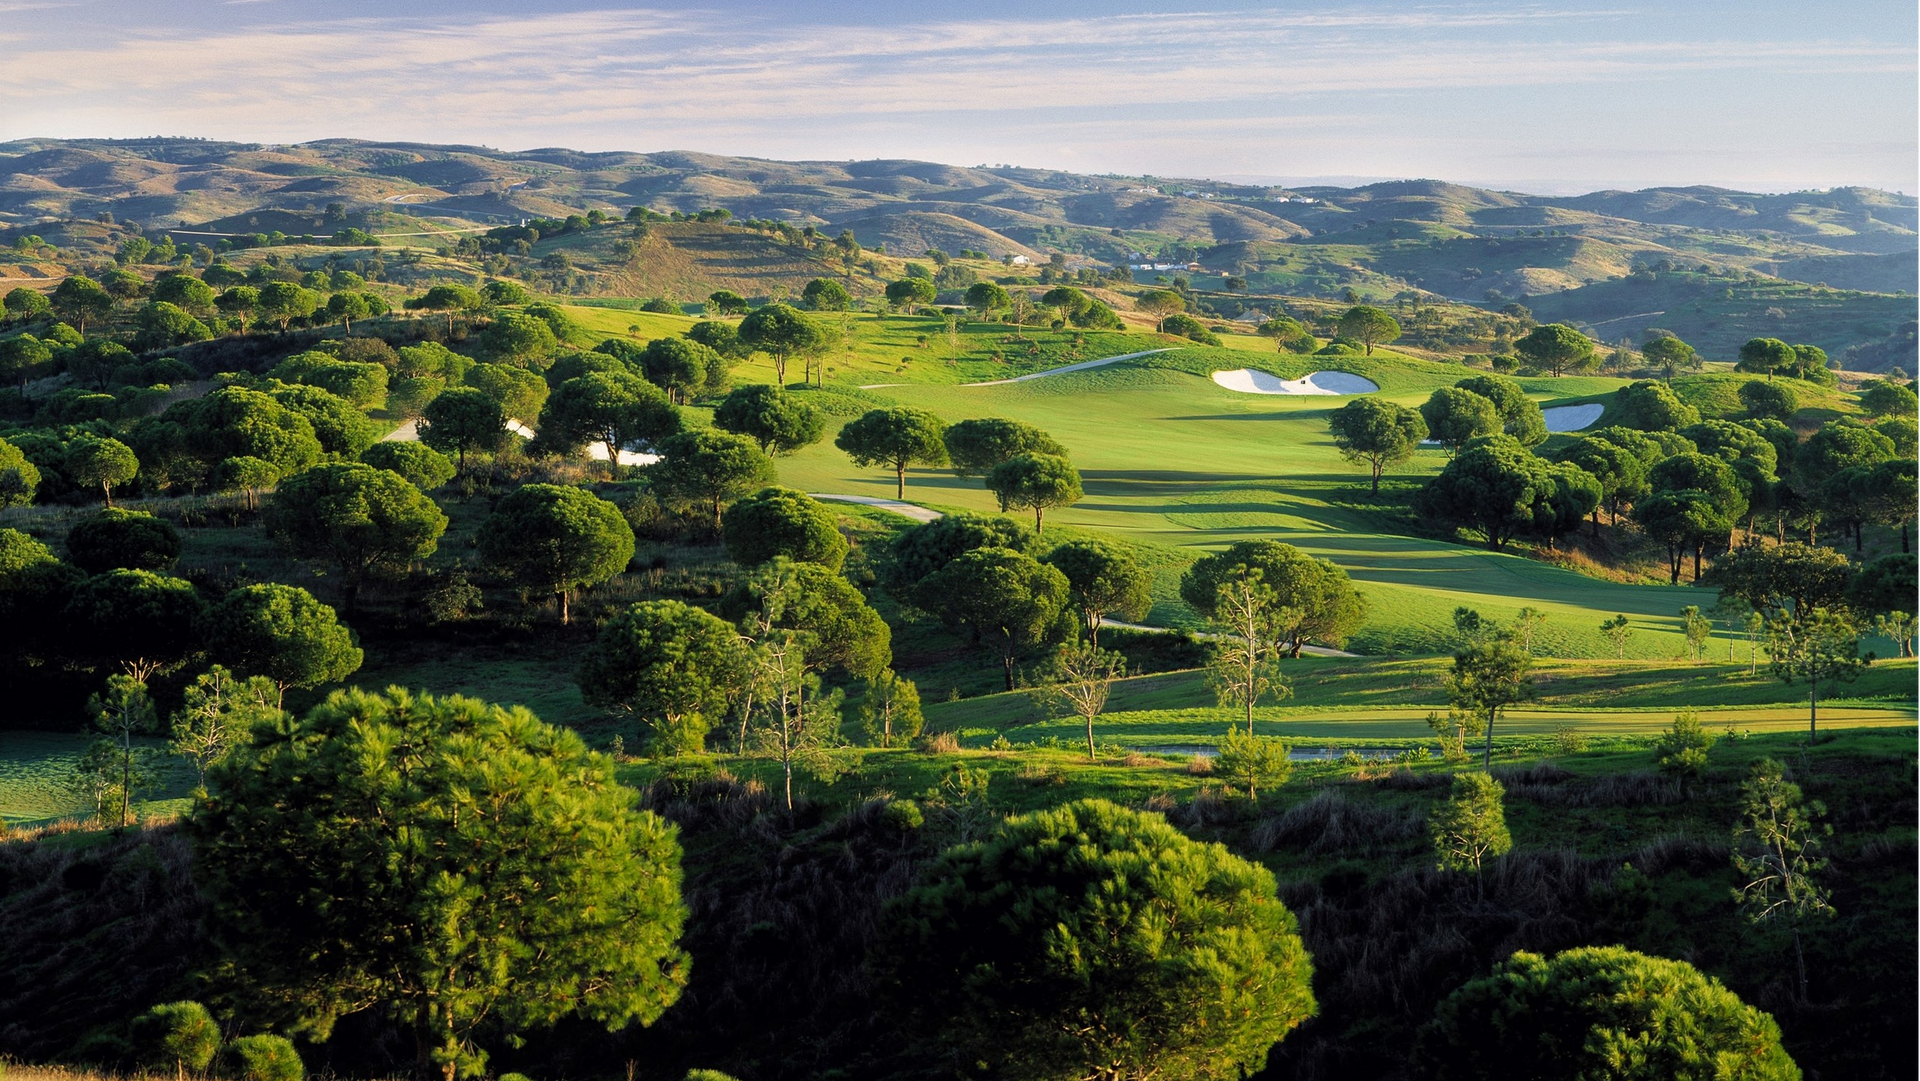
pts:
pixel 1572 418
pixel 1247 381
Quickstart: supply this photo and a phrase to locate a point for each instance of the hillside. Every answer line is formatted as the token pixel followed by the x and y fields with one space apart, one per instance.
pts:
pixel 1836 268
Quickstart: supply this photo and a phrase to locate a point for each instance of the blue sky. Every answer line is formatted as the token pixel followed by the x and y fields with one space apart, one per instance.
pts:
pixel 1549 97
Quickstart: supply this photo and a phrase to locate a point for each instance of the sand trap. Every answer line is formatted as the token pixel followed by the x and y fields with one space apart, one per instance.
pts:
pixel 1247 381
pixel 1572 418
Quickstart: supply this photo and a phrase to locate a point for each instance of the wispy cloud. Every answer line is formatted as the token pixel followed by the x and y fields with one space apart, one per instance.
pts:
pixel 645 79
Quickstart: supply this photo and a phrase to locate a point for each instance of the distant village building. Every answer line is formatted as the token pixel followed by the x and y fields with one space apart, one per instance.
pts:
pixel 1021 260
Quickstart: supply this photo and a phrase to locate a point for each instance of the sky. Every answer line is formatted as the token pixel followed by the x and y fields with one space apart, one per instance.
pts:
pixel 1555 98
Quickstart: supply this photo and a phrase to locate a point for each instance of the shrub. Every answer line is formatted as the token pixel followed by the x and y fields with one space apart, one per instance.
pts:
pixel 117 538
pixel 1683 745
pixel 261 1058
pixel 1600 1011
pixel 177 1035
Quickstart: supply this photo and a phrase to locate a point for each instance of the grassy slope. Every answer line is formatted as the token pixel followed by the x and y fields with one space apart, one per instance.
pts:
pixel 1171 459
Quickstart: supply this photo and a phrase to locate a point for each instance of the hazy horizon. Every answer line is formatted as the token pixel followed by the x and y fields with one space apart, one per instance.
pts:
pixel 1547 99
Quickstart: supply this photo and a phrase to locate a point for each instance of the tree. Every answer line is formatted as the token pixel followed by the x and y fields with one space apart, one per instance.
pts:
pixel 1008 600
pixel 1368 325
pixel 553 540
pixel 1377 433
pixel 123 538
pixel 520 392
pixel 1815 647
pixel 896 437
pixel 1252 760
pixel 890 709
pixel 1471 825
pixel 280 632
pixel 1682 520
pixel 709 469
pixel 217 713
pixel 678 366
pixel 460 419
pixel 975 446
pixel 1316 599
pixel 79 298
pixel 1697 628
pixel 1599 1011
pixel 673 667
pixel 19 478
pixel 1670 356
pixel 424 467
pixel 987 298
pixel 1497 487
pixel 826 295
pixel 1083 676
pixel 1621 475
pixel 501 294
pixel 1788 580
pixel 1160 303
pixel 1766 356
pixel 123 712
pixel 366 522
pixel 182 1035
pixel 1455 416
pixel 923 549
pixel 780 422
pixel 1886 398
pixel 1246 657
pixel 447 298
pixel 445 935
pixel 910 291
pixel 516 337
pixel 140 621
pixel 26 305
pixel 1102 580
pixel 1651 407
pixel 343 431
pixel 1832 450
pixel 1487 677
pixel 726 302
pixel 1094 941
pixel 1557 349
pixel 1882 494
pixel 239 304
pixel 1520 416
pixel 283 302
pixel 1681 750
pixel 1036 482
pixel 1885 588
pixel 782 332
pixel 1768 400
pixel 613 409
pixel 783 522
pixel 106 462
pixel 347 306
pixel 22 358
pixel 363 384
pixel 1776 849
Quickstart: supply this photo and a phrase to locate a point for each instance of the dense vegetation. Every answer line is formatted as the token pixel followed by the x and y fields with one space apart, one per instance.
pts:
pixel 416 677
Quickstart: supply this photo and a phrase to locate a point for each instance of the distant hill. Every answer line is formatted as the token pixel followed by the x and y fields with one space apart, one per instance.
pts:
pixel 1572 255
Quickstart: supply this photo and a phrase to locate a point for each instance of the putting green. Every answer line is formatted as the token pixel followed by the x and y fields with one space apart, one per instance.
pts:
pixel 1170 458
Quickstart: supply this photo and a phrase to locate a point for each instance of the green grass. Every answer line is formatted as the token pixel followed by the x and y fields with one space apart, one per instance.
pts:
pixel 1367 699
pixel 36 766
pixel 1171 460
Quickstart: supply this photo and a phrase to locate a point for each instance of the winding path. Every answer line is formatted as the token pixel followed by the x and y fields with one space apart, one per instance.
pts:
pixel 905 510
pixel 1080 367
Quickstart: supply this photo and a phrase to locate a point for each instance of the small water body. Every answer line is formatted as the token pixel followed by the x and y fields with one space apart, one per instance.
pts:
pixel 1295 754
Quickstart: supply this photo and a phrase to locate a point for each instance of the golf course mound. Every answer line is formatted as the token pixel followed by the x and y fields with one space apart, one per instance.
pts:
pixel 1572 418
pixel 1248 381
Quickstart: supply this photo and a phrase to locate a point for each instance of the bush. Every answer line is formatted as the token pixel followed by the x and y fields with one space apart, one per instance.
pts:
pixel 117 538
pixel 176 1035
pixel 261 1058
pixel 1600 1011
pixel 424 467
